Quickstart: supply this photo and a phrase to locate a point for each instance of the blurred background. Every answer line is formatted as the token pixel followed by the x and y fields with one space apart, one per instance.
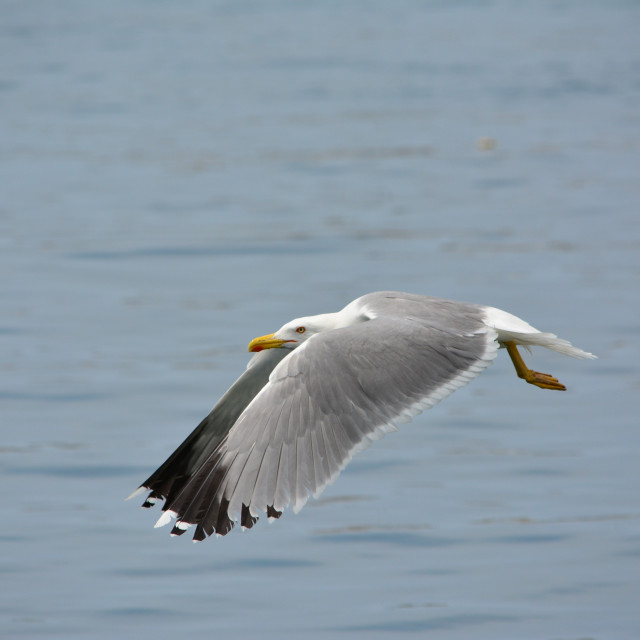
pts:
pixel 178 178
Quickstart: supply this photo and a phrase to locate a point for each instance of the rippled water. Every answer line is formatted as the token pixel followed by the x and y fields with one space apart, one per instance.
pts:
pixel 178 179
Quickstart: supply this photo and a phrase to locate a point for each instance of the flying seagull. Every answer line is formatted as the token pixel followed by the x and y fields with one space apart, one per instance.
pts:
pixel 322 388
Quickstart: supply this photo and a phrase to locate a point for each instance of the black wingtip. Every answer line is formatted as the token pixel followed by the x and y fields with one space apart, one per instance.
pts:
pixel 152 499
pixel 246 519
pixel 199 534
pixel 272 512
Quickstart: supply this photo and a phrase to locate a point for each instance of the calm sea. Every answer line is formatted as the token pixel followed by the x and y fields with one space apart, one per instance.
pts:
pixel 178 178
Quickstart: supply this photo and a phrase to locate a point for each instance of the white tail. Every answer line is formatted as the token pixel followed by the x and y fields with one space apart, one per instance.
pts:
pixel 512 328
pixel 548 340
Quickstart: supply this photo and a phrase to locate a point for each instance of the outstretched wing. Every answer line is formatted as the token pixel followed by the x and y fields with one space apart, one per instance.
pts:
pixel 169 479
pixel 331 397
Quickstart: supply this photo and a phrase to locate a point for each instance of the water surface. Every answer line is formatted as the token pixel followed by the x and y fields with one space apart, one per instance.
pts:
pixel 178 179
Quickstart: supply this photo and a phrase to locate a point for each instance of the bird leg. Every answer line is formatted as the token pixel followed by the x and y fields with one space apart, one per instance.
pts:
pixel 542 380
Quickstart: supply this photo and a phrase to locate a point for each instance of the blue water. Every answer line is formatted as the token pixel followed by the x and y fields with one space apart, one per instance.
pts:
pixel 177 179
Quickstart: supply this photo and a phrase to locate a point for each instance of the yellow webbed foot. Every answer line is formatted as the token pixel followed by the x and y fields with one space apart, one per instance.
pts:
pixel 542 380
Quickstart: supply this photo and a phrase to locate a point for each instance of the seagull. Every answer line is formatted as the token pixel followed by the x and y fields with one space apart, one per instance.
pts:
pixel 321 389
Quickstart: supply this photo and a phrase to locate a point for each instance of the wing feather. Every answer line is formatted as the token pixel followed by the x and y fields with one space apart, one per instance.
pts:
pixel 170 478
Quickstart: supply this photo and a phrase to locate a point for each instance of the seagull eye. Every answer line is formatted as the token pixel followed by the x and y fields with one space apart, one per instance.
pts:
pixel 300 330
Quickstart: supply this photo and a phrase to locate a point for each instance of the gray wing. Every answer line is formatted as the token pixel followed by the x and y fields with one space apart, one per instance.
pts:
pixel 169 479
pixel 330 398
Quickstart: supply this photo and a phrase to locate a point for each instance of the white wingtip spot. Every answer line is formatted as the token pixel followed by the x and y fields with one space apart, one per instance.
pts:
pixel 182 526
pixel 165 518
pixel 137 492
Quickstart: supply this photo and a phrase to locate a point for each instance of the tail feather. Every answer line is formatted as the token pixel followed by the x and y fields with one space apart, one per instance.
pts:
pixel 547 340
pixel 512 328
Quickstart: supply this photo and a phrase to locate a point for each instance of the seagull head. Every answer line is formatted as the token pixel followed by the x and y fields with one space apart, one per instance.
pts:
pixel 293 334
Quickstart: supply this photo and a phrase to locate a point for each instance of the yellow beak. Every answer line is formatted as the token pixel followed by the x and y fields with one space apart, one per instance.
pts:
pixel 266 342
